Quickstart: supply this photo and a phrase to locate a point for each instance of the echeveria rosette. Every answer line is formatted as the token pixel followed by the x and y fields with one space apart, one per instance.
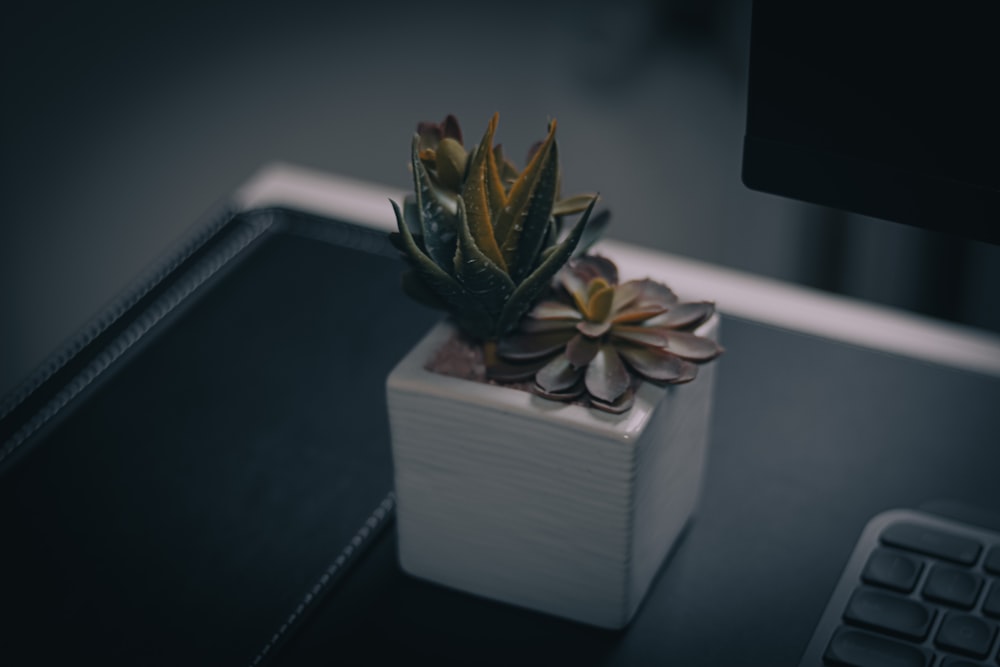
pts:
pixel 596 339
pixel 482 248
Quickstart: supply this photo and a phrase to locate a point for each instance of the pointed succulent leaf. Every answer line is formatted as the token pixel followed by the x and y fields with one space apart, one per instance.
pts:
pixel 498 158
pixel 424 265
pixel 513 221
pixel 533 286
pixel 450 163
pixel 658 364
pixel 396 240
pixel 525 237
pixel 471 157
pixel 551 237
pixel 606 376
pixel 691 347
pixel 495 192
pixel 442 283
pixel 507 170
pixel 476 198
pixel 533 150
pixel 411 214
pixel 447 200
pixel 436 225
pixel 571 205
pixel 593 232
pixel 686 315
pixel 559 375
pixel 581 350
pixel 477 272
pixel 519 347
pixel 546 254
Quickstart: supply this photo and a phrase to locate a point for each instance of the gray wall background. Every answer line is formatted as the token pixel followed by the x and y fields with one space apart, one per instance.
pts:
pixel 123 122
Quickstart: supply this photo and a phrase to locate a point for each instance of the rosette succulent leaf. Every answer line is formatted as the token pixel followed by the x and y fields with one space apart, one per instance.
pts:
pixel 595 339
pixel 483 240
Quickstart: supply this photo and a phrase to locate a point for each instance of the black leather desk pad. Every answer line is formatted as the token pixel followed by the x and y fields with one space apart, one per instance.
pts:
pixel 181 506
pixel 187 501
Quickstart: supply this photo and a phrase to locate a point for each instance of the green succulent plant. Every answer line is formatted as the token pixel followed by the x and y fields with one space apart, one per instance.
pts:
pixel 483 240
pixel 594 339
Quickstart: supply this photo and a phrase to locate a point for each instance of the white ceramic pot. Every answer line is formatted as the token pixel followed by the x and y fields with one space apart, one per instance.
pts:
pixel 550 506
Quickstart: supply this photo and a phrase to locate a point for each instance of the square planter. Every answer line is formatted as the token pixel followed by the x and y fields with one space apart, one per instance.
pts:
pixel 551 506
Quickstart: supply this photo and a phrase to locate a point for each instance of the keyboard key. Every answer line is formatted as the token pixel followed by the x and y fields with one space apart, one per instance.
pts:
pixel 953 586
pixel 855 648
pixel 890 613
pixel 992 604
pixel 932 542
pixel 966 634
pixel 892 569
pixel 992 563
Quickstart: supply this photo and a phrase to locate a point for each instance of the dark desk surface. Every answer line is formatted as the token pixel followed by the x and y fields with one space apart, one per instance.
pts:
pixel 222 441
pixel 800 460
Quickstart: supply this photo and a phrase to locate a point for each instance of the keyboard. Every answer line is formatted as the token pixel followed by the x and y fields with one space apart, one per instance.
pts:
pixel 919 590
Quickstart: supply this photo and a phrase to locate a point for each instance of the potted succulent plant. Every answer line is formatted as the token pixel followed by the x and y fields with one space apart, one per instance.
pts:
pixel 548 438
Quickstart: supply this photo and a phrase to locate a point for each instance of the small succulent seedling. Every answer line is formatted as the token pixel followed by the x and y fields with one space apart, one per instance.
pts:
pixel 594 339
pixel 483 240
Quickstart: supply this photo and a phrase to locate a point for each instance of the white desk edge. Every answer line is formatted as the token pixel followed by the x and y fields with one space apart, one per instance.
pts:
pixel 735 292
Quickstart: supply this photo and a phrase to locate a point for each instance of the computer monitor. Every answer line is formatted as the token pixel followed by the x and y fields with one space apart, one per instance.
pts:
pixel 888 109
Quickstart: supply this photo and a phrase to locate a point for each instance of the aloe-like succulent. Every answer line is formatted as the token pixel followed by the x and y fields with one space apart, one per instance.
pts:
pixel 483 240
pixel 594 339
